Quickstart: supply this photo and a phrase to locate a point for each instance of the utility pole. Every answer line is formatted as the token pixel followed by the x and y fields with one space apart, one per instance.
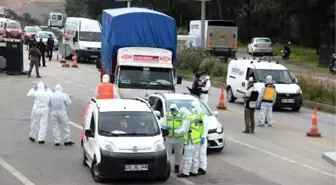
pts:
pixel 128 4
pixel 203 15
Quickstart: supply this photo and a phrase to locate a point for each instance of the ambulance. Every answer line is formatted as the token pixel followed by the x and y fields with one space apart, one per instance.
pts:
pixel 289 94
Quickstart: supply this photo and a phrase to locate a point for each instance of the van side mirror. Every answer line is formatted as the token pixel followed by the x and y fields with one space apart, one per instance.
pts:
pixel 179 80
pixel 164 132
pixel 88 133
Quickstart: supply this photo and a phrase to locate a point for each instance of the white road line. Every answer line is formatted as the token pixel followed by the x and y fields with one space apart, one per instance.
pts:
pixel 283 158
pixel 81 86
pixel 15 173
pixel 185 181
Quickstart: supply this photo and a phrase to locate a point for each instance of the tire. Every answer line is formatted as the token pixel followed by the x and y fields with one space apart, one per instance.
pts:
pixel 295 109
pixel 230 96
pixel 166 176
pixel 95 172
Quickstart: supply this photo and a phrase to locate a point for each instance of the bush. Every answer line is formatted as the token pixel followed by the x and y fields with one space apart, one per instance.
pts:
pixel 219 70
pixel 191 59
pixel 317 90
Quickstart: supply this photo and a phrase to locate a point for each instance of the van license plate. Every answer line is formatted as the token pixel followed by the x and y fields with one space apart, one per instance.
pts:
pixel 136 167
pixel 287 101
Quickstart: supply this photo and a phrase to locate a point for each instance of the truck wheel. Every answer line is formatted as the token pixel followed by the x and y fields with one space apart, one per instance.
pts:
pixel 166 176
pixel 230 96
pixel 95 172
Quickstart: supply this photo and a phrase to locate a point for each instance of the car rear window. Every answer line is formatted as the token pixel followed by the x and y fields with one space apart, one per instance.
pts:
pixel 263 40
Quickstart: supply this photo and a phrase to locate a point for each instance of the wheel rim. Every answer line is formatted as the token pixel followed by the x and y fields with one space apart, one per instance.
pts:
pixel 229 94
pixel 95 170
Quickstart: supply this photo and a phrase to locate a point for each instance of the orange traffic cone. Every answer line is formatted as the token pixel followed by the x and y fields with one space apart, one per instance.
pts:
pixel 74 58
pixel 313 132
pixel 221 104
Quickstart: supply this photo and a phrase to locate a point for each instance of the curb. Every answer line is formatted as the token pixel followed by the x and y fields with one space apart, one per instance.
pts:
pixel 329 157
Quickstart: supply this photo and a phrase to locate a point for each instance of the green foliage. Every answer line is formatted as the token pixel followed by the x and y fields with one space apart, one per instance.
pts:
pixel 191 59
pixel 25 19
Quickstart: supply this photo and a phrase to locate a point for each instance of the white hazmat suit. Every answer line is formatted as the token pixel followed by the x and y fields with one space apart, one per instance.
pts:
pixel 266 108
pixel 106 79
pixel 39 115
pixel 59 102
pixel 205 90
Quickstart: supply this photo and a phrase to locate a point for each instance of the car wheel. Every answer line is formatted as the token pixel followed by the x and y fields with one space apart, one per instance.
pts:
pixel 166 176
pixel 295 109
pixel 230 96
pixel 218 149
pixel 95 172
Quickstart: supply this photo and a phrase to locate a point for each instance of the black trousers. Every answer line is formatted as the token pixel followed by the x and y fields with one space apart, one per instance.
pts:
pixel 42 58
pixel 50 53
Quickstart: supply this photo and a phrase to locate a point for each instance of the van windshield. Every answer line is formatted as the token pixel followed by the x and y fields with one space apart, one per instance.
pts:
pixel 113 124
pixel 278 76
pixel 90 36
pixel 145 78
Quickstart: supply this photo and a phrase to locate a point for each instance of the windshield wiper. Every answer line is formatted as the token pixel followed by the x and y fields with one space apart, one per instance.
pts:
pixel 109 133
pixel 281 82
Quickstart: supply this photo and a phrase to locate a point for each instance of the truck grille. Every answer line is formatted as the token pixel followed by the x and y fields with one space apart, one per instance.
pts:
pixel 289 95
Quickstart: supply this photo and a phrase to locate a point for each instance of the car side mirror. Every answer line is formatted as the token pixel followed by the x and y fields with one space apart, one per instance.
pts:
pixel 88 133
pixel 215 113
pixel 296 80
pixel 164 132
pixel 179 80
pixel 157 114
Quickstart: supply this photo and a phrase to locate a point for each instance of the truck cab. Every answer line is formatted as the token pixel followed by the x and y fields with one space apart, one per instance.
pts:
pixel 143 71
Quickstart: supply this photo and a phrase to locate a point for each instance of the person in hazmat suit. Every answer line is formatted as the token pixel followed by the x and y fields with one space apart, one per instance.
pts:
pixel 59 102
pixel 174 120
pixel 106 90
pixel 205 85
pixel 39 116
pixel 192 141
pixel 266 100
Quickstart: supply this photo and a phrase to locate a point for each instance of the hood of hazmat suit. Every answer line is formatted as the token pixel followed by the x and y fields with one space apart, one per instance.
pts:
pixel 59 100
pixel 196 107
pixel 106 78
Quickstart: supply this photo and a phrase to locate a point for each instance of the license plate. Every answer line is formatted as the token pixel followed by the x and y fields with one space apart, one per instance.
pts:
pixel 93 56
pixel 287 101
pixel 136 167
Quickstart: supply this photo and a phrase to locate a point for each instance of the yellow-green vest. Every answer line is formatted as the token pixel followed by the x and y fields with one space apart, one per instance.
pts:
pixel 201 127
pixel 193 134
pixel 174 122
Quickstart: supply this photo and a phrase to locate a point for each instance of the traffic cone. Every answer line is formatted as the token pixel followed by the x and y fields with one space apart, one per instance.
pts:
pixel 313 132
pixel 221 104
pixel 74 58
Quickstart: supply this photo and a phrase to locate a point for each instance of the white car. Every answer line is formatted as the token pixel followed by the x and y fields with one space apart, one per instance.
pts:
pixel 162 101
pixel 260 46
pixel 44 35
pixel 122 139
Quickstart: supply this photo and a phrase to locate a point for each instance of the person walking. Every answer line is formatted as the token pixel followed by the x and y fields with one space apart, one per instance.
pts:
pixel 59 102
pixel 266 100
pixel 39 116
pixel 42 47
pixel 50 45
pixel 34 57
pixel 250 99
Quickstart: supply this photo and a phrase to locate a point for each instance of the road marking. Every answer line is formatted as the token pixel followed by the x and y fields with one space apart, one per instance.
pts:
pixel 283 158
pixel 81 86
pixel 185 181
pixel 61 79
pixel 15 172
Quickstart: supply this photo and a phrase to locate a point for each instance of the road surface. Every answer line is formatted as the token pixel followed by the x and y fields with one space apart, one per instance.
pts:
pixel 272 156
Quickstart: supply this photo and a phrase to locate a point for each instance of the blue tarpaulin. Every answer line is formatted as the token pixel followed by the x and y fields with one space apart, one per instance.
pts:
pixel 135 27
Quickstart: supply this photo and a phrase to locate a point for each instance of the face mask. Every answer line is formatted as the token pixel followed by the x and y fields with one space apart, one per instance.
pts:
pixel 173 111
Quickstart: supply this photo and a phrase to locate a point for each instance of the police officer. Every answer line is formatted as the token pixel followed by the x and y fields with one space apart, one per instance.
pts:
pixel 266 100
pixel 42 47
pixel 172 122
pixel 250 99
pixel 50 44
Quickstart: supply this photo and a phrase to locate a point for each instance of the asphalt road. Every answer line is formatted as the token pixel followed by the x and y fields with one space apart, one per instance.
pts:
pixel 278 155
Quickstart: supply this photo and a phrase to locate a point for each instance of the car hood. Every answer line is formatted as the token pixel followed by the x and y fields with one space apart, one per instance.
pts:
pixel 86 44
pixel 141 93
pixel 282 88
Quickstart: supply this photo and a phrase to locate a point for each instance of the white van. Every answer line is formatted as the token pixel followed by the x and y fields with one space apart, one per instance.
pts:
pixel 123 139
pixel 82 36
pixel 55 20
pixel 289 94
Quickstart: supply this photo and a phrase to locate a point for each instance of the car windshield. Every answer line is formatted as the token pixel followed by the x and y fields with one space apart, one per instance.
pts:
pixel 263 40
pixel 13 25
pixel 32 29
pixel 128 124
pixel 278 76
pixel 145 78
pixel 90 36
pixel 45 35
pixel 187 104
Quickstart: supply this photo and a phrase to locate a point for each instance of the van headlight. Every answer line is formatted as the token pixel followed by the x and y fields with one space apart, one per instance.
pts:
pixel 159 146
pixel 109 147
pixel 219 128
pixel 299 91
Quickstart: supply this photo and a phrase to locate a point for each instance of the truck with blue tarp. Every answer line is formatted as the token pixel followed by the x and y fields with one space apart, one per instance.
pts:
pixel 138 49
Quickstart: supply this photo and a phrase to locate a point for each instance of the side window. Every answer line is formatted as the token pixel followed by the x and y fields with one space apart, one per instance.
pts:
pixel 59 17
pixel 93 124
pixel 54 17
pixel 152 101
pixel 159 106
pixel 250 73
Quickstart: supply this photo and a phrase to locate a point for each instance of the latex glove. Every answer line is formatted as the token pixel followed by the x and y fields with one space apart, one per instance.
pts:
pixel 166 127
pixel 202 140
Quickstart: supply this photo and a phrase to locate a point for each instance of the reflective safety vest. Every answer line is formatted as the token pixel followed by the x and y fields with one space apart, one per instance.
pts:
pixel 193 134
pixel 105 91
pixel 200 117
pixel 174 122
pixel 269 93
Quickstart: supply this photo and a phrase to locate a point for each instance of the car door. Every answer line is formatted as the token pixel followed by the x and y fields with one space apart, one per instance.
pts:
pixel 89 143
pixel 152 101
pixel 159 107
pixel 243 82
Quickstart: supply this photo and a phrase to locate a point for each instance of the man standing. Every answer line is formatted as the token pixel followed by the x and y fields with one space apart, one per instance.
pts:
pixel 196 89
pixel 42 47
pixel 250 99
pixel 34 57
pixel 106 90
pixel 39 115
pixel 173 120
pixel 266 100
pixel 59 102
pixel 50 44
pixel 206 84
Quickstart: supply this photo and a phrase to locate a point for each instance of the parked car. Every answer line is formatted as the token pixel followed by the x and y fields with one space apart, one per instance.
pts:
pixel 29 32
pixel 13 30
pixel 44 35
pixel 260 46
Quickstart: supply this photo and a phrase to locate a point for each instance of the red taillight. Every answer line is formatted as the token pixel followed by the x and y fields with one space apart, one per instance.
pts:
pixel 255 45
